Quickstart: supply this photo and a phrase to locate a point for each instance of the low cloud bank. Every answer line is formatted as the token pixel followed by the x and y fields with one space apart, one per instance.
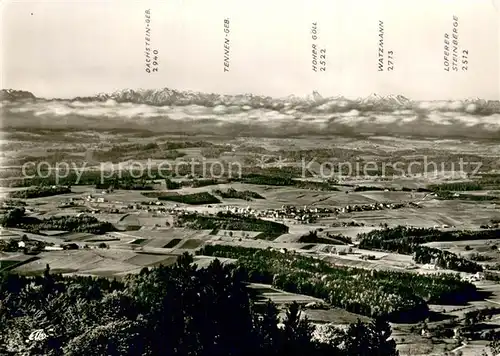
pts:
pixel 425 119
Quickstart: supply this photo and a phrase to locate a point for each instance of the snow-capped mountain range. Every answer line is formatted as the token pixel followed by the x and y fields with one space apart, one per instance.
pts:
pixel 168 110
pixel 312 102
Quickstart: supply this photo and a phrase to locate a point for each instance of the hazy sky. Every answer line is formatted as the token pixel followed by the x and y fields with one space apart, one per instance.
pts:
pixel 70 48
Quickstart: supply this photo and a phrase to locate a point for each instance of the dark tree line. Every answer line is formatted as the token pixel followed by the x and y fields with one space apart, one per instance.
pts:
pixel 404 240
pixel 409 240
pixel 193 199
pixel 458 186
pixel 175 310
pixel 230 221
pixel 445 259
pixel 312 237
pixel 81 223
pixel 396 295
pixel 39 192
pixel 232 193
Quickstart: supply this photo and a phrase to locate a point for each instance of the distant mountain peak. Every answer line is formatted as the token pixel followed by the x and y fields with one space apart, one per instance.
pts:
pixel 13 94
pixel 316 95
pixel 392 99
pixel 399 99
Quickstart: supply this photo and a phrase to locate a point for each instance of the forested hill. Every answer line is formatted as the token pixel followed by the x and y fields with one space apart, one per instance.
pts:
pixel 176 310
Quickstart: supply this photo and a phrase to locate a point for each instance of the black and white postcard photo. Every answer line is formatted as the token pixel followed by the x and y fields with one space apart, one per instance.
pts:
pixel 246 178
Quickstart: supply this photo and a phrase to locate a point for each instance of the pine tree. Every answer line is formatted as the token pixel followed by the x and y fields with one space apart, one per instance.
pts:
pixel 357 340
pixel 383 345
pixel 267 330
pixel 297 332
